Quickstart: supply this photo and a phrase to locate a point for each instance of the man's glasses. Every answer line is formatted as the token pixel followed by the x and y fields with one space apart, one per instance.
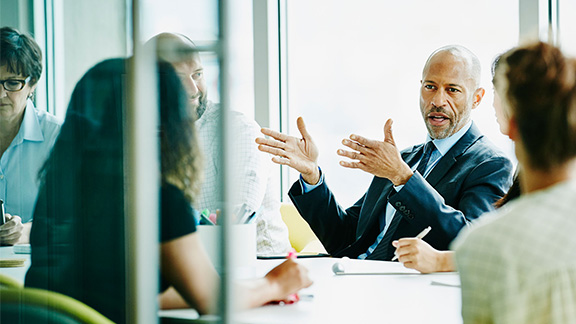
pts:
pixel 14 84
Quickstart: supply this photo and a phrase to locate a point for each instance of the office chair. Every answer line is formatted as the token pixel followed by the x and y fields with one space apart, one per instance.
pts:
pixel 301 236
pixel 9 282
pixel 21 305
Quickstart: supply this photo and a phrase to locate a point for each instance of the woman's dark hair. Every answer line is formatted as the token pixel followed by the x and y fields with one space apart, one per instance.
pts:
pixel 79 219
pixel 494 67
pixel 541 92
pixel 95 121
pixel 20 53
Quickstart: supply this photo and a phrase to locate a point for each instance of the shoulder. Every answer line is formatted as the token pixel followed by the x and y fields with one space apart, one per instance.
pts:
pixel 479 245
pixel 485 148
pixel 171 194
pixel 243 123
pixel 498 233
pixel 49 123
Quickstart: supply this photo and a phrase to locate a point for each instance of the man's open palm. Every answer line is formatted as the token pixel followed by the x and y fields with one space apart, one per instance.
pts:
pixel 300 154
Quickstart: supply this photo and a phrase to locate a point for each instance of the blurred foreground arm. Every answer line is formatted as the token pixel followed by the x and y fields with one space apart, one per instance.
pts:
pixel 187 268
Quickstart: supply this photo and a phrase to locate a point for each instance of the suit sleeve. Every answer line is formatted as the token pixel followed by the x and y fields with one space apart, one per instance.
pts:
pixel 422 205
pixel 334 226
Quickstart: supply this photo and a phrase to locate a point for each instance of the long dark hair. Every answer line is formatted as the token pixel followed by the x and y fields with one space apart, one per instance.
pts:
pixel 78 236
pixel 95 121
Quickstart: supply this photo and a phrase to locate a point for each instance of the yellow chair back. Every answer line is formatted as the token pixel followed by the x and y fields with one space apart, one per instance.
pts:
pixel 301 236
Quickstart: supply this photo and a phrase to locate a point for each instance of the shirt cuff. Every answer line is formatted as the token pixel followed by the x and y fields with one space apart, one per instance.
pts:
pixel 306 187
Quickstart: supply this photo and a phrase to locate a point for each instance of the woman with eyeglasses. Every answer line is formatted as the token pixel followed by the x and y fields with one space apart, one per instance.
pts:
pixel 26 133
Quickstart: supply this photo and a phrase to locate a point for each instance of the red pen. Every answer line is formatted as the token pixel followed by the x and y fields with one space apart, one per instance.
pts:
pixel 292 298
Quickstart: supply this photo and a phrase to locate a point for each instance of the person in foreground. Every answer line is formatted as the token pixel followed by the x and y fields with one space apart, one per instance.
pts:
pixel 445 183
pixel 251 175
pixel 77 242
pixel 26 133
pixel 518 265
pixel 415 253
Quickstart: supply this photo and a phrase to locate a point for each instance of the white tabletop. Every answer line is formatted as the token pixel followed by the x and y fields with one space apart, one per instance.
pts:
pixel 400 296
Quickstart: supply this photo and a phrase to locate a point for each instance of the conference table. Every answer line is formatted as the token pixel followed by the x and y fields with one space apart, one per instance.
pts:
pixel 373 292
pixel 368 292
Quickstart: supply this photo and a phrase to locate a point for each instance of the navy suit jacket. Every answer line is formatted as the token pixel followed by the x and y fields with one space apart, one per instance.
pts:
pixel 463 185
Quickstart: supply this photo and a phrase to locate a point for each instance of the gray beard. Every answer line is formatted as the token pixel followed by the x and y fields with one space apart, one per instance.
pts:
pixel 201 109
pixel 451 130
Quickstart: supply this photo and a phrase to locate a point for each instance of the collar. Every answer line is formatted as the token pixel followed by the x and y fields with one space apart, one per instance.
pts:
pixel 444 145
pixel 30 129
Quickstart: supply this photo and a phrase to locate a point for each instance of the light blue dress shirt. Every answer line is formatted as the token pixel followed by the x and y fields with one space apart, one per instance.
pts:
pixel 21 162
pixel 442 147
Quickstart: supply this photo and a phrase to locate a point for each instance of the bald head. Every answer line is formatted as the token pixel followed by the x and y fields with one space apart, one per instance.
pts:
pixel 458 53
pixel 174 48
pixel 450 90
pixel 182 53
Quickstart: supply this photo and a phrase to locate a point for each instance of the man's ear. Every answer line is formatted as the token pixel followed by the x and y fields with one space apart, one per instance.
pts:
pixel 478 95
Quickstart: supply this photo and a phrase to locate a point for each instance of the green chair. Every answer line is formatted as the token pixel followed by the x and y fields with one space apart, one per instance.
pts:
pixel 20 305
pixel 9 282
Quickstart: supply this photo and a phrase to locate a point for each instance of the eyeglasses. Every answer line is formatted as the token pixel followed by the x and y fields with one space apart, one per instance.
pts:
pixel 13 85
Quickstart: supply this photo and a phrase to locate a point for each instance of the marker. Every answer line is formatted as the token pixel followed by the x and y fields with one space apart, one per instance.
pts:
pixel 253 216
pixel 204 218
pixel 2 214
pixel 419 236
pixel 293 297
pixel 213 218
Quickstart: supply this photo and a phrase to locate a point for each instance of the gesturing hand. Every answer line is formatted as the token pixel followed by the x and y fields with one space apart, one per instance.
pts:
pixel 380 158
pixel 300 154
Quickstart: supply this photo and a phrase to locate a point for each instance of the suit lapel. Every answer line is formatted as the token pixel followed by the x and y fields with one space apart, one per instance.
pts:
pixel 377 195
pixel 448 160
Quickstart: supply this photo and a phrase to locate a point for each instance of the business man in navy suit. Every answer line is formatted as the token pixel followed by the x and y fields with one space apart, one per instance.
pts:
pixel 445 183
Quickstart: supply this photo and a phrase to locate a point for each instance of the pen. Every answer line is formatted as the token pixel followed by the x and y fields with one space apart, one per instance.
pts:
pixel 2 215
pixel 293 297
pixel 419 236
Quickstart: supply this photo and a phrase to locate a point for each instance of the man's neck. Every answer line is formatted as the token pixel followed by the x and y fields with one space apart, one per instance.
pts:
pixel 532 179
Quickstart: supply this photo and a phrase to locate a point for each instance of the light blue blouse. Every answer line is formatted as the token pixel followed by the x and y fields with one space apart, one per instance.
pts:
pixel 21 162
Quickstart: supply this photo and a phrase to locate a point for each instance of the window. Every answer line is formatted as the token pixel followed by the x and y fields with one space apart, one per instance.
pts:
pixel 353 64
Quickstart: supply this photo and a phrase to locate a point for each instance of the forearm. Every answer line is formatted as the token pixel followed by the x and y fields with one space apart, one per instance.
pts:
pixel 445 261
pixel 422 205
pixel 256 293
pixel 171 299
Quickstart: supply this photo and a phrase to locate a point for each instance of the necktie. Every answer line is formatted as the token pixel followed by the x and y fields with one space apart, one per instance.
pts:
pixel 383 250
pixel 428 150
